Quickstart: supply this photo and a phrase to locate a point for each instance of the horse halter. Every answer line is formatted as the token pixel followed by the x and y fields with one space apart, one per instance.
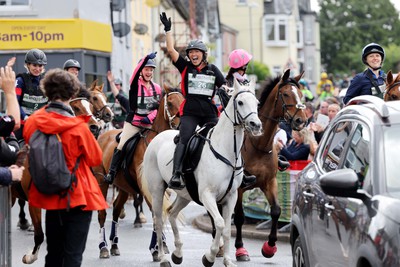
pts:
pixel 239 119
pixel 390 88
pixel 168 113
pixel 299 106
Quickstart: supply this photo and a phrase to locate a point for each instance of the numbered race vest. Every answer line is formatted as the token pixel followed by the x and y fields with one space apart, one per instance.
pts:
pixel 32 97
pixel 146 101
pixel 201 84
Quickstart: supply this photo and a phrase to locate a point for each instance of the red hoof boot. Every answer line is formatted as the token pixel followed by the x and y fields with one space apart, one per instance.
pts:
pixel 268 251
pixel 242 254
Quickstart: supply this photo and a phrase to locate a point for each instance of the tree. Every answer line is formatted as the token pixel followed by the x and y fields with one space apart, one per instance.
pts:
pixel 347 26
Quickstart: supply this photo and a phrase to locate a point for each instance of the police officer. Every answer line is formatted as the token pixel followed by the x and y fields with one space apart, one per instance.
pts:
pixel 29 95
pixel 372 80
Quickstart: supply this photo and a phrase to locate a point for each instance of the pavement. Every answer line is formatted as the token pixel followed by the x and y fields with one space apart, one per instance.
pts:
pixel 249 230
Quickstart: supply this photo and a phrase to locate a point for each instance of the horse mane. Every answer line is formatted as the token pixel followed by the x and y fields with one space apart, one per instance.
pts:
pixel 83 92
pixel 270 84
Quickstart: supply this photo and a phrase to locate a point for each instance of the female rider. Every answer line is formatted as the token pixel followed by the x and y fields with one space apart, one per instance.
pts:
pixel 144 96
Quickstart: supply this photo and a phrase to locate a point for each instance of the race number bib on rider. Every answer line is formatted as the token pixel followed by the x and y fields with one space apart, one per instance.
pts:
pixel 201 84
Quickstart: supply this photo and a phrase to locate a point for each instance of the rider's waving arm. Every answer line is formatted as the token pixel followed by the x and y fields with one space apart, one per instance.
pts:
pixel 170 41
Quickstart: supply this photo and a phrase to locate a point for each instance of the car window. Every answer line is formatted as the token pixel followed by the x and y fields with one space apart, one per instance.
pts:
pixel 357 156
pixel 392 159
pixel 336 142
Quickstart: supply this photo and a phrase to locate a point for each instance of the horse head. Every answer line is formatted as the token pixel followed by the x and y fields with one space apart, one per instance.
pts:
pixel 99 101
pixel 287 101
pixel 81 106
pixel 392 91
pixel 171 102
pixel 245 106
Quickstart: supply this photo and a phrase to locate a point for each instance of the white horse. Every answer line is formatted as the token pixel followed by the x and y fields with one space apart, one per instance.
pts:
pixel 218 180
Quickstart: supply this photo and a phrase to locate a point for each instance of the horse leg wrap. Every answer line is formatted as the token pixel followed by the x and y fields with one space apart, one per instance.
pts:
pixel 153 243
pixel 103 241
pixel 241 252
pixel 268 251
pixel 114 233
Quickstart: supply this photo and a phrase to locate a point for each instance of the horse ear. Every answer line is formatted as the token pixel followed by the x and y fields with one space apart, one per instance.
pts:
pixel 166 87
pixel 298 77
pixel 389 77
pixel 101 87
pixel 236 86
pixel 93 84
pixel 286 75
pixel 252 86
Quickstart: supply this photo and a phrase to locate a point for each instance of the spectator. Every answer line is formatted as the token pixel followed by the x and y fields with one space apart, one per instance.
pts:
pixel 10 174
pixel 29 95
pixel 67 229
pixel 305 90
pixel 322 82
pixel 119 101
pixel 297 148
pixel 144 96
pixel 72 66
pixel 372 80
pixel 310 110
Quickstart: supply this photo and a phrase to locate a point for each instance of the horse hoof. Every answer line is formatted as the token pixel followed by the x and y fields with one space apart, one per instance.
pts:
pixel 29 258
pixel 155 256
pixel 122 214
pixel 175 259
pixel 206 263
pixel 31 228
pixel 242 254
pixel 137 224
pixel 115 250
pixel 23 225
pixel 104 253
pixel 165 264
pixel 268 251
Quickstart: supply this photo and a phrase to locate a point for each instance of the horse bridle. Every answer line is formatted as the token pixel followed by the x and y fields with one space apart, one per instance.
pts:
pixel 98 112
pixel 168 114
pixel 299 106
pixel 391 87
pixel 80 98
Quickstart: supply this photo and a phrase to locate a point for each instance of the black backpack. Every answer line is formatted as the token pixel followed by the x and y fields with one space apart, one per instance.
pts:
pixel 47 165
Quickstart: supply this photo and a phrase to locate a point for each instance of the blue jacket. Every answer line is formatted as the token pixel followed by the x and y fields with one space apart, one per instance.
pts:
pixel 5 176
pixel 295 151
pixel 361 85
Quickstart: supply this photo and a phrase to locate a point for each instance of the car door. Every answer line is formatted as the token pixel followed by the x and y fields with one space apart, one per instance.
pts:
pixel 323 235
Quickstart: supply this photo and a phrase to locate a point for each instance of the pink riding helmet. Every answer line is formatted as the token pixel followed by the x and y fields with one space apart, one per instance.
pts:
pixel 239 58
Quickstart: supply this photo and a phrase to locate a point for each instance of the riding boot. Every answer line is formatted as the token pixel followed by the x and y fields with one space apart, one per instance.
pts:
pixel 248 180
pixel 283 164
pixel 115 164
pixel 176 181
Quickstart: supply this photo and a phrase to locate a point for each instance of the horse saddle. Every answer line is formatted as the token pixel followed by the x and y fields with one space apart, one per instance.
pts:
pixel 191 159
pixel 128 150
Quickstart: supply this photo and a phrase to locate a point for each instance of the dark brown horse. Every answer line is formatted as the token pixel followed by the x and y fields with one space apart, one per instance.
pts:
pixel 80 106
pixel 392 91
pixel 130 184
pixel 279 101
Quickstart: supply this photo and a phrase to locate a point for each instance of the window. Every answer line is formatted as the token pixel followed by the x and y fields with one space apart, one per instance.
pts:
pixel 299 34
pixel 14 2
pixel 276 30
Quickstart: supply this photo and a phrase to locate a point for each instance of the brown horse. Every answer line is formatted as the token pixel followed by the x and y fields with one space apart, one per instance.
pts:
pixel 392 91
pixel 130 184
pixel 80 106
pixel 280 100
pixel 99 101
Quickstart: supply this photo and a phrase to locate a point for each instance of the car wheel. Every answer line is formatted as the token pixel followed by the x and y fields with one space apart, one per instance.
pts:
pixel 298 254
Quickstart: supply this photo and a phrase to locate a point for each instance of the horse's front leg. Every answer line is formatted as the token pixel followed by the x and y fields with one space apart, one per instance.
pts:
pixel 117 207
pixel 210 204
pixel 241 253
pixel 23 223
pixel 269 248
pixel 36 216
pixel 178 205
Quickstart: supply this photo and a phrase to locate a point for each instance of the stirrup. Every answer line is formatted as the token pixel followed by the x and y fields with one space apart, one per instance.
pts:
pixel 248 180
pixel 176 184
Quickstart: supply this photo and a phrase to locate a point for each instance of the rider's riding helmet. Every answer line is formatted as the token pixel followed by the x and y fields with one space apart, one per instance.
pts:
pixel 36 56
pixel 72 63
pixel 199 45
pixel 239 58
pixel 372 48
pixel 151 63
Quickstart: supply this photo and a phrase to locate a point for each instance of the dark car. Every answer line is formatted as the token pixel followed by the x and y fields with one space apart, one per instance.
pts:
pixel 346 206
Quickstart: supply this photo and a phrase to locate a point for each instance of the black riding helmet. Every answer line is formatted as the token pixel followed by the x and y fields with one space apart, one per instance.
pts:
pixel 199 45
pixel 72 63
pixel 36 56
pixel 372 48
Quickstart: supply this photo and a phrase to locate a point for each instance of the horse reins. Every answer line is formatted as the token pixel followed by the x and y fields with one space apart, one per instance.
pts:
pixel 391 87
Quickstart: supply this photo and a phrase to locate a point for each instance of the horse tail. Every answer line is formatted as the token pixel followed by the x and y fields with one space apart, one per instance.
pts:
pixel 167 203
